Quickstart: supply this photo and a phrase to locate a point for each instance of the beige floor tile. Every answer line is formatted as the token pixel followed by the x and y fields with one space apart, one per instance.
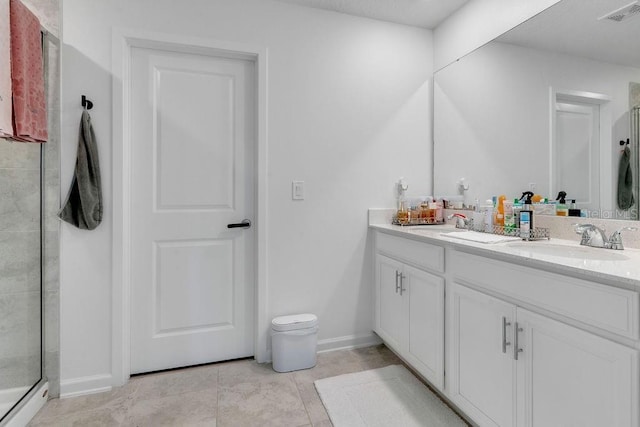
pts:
pixel 312 403
pixel 247 370
pixel 240 393
pixel 117 400
pixel 174 382
pixel 104 417
pixel 273 401
pixel 329 364
pixel 197 408
pixel 375 357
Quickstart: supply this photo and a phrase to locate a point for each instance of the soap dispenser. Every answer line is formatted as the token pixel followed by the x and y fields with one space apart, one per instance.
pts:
pixel 561 208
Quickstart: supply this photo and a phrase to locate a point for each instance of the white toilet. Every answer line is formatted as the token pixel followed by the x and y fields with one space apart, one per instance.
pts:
pixel 294 341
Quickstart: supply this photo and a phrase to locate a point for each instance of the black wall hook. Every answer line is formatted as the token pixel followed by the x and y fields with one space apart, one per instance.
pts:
pixel 86 103
pixel 622 142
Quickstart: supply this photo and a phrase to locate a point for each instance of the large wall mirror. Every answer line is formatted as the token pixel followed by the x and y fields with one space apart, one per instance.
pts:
pixel 544 107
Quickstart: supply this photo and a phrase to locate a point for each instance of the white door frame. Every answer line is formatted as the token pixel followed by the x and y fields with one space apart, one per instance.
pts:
pixel 122 42
pixel 604 102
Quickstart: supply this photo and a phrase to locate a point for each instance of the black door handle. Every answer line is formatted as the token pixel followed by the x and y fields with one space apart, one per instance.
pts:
pixel 244 224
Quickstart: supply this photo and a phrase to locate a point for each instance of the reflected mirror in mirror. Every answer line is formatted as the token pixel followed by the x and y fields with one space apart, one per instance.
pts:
pixel 544 108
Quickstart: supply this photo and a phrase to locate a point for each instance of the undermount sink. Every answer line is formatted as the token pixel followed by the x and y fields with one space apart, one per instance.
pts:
pixel 566 251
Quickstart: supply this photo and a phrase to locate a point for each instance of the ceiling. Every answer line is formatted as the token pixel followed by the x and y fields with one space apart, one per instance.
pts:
pixel 572 27
pixel 418 13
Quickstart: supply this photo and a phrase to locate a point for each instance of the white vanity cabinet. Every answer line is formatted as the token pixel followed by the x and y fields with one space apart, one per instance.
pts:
pixel 527 344
pixel 509 366
pixel 481 371
pixel 409 311
pixel 567 376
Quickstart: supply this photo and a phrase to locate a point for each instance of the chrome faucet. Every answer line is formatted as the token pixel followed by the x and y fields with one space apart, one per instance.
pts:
pixel 461 220
pixel 596 238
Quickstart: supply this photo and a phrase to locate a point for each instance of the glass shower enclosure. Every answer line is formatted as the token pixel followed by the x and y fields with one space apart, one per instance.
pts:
pixel 20 271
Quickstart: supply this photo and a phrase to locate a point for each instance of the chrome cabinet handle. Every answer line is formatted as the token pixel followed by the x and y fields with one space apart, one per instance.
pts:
pixel 516 347
pixel 398 285
pixel 505 343
pixel 402 277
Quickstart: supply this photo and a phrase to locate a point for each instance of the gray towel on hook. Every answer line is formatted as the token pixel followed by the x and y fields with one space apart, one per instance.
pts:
pixel 625 181
pixel 83 207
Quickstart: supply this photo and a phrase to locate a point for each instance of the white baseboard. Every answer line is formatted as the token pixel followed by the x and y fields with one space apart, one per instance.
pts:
pixel 348 342
pixel 31 407
pixel 85 385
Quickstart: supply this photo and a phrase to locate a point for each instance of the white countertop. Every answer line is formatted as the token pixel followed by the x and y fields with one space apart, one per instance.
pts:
pixel 621 268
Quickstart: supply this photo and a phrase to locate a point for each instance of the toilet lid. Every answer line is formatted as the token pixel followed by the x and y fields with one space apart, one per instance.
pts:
pixel 293 322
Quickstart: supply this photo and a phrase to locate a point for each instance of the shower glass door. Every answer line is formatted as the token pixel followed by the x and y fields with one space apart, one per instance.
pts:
pixel 20 271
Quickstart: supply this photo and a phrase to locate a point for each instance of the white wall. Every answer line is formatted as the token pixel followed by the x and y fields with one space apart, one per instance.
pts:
pixel 478 22
pixel 348 113
pixel 492 118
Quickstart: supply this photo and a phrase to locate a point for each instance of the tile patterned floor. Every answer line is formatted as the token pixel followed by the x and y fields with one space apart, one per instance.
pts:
pixel 238 394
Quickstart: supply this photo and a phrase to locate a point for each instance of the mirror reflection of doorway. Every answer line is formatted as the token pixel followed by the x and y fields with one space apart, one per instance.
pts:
pixel 579 149
pixel 576 153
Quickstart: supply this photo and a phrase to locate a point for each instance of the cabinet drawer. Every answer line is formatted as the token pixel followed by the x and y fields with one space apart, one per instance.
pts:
pixel 605 307
pixel 413 252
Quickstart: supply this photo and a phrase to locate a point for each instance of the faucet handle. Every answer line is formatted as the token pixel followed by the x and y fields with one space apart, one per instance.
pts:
pixel 616 237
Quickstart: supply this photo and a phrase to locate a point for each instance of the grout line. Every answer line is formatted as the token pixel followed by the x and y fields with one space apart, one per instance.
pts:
pixel 304 405
pixel 218 395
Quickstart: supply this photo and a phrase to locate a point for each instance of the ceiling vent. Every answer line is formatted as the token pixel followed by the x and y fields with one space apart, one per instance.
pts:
pixel 623 14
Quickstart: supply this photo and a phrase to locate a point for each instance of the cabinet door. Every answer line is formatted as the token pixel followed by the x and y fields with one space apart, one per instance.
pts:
pixel 569 377
pixel 425 350
pixel 481 371
pixel 391 322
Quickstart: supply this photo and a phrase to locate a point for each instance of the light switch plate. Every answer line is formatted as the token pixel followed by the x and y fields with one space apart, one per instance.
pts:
pixel 297 190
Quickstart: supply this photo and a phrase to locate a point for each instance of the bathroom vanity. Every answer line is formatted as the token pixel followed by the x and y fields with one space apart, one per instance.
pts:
pixel 517 333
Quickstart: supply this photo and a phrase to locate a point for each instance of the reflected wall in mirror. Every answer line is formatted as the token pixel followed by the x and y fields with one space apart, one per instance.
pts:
pixel 543 106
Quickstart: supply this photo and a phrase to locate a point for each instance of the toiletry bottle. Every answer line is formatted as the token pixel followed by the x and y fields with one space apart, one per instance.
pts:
pixel 509 220
pixel 517 207
pixel 526 224
pixel 526 215
pixel 403 215
pixel 561 207
pixel 488 219
pixel 478 218
pixel 499 211
pixel 573 209
pixel 439 211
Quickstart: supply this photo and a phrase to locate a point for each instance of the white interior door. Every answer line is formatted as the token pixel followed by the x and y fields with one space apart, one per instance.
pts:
pixel 192 278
